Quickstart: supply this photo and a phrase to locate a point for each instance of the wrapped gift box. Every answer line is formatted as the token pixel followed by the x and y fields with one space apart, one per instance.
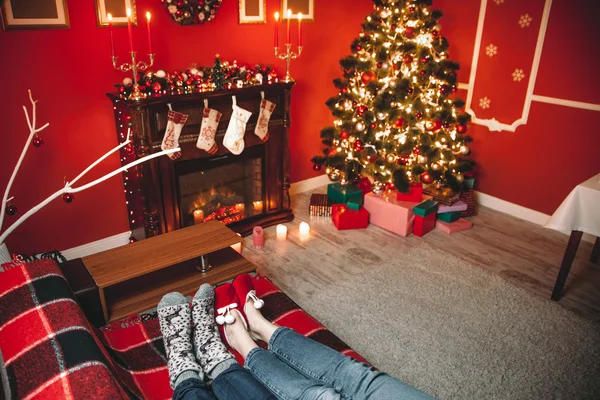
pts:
pixel 449 216
pixel 453 227
pixel 345 218
pixel 340 194
pixel 319 206
pixel 365 185
pixel 424 225
pixel 390 214
pixel 355 204
pixel 458 206
pixel 425 208
pixel 415 193
pixel 469 199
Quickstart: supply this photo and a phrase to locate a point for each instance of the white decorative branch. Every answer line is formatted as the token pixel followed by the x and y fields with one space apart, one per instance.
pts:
pixel 32 132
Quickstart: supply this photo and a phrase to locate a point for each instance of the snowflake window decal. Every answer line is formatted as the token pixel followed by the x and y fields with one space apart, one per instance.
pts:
pixel 525 20
pixel 485 103
pixel 491 50
pixel 518 75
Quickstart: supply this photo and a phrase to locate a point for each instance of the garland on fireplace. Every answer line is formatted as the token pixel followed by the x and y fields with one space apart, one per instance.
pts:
pixel 189 12
pixel 199 79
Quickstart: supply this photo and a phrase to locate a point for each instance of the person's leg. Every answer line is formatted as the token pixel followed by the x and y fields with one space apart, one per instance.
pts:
pixel 237 383
pixel 353 379
pixel 185 375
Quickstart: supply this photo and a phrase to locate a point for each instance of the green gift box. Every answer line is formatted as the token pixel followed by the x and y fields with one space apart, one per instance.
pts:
pixel 355 204
pixel 449 216
pixel 425 208
pixel 341 194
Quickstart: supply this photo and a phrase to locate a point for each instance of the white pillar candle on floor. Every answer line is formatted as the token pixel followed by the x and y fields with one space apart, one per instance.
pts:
pixel 281 232
pixel 304 231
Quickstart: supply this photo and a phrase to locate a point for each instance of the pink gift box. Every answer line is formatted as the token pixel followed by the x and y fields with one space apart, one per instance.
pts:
pixel 453 227
pixel 458 206
pixel 389 213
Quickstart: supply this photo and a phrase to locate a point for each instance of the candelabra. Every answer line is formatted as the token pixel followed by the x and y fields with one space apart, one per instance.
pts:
pixel 288 56
pixel 136 95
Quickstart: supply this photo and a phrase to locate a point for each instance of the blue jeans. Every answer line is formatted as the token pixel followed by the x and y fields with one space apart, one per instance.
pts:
pixel 235 383
pixel 298 368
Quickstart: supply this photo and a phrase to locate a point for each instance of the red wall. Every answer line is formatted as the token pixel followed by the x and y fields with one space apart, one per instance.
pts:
pixel 69 72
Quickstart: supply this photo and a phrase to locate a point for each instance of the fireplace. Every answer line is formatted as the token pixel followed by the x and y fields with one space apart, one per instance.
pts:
pixel 241 191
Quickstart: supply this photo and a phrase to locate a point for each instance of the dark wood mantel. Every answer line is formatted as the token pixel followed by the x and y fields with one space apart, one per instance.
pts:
pixel 150 188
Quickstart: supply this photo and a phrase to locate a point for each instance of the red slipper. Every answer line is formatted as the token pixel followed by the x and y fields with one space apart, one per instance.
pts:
pixel 244 287
pixel 226 304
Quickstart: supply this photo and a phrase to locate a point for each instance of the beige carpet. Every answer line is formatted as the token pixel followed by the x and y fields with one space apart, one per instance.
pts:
pixel 457 332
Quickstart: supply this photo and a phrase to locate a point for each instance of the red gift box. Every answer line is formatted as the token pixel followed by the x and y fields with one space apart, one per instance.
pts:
pixel 345 218
pixel 424 225
pixel 415 193
pixel 365 185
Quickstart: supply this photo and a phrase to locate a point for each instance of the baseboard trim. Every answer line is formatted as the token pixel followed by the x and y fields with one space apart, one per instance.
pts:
pixel 515 210
pixel 108 243
pixel 308 184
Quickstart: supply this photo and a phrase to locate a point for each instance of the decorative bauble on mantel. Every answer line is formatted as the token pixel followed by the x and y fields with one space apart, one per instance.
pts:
pixel 190 12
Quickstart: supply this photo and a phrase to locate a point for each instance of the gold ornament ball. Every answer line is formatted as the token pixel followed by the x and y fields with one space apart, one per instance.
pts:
pixel 460 178
pixel 436 166
pixel 422 159
pixel 391 158
pixel 464 149
pixel 328 170
pixel 352 139
pixel 360 127
pixel 378 188
pixel 334 176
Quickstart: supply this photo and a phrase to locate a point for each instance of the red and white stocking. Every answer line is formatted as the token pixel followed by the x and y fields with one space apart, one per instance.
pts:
pixel 234 137
pixel 174 127
pixel 208 130
pixel 262 125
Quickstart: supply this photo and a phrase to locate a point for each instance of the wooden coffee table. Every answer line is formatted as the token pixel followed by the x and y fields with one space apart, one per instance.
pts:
pixel 133 278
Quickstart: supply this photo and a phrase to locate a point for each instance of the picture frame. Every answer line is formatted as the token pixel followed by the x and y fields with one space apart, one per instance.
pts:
pixel 44 14
pixel 118 11
pixel 253 11
pixel 306 7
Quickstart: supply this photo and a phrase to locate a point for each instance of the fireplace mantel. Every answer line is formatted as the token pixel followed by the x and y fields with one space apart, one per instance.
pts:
pixel 151 189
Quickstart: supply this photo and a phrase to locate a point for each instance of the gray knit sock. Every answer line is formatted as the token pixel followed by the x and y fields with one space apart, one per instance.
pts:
pixel 209 349
pixel 174 316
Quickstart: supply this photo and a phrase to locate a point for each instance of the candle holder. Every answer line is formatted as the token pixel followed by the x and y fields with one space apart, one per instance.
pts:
pixel 288 56
pixel 134 66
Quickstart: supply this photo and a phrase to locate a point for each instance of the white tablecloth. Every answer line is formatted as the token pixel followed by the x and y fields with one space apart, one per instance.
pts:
pixel 580 211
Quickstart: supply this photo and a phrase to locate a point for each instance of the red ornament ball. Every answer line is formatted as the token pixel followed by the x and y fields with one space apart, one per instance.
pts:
pixel 156 87
pixel 11 209
pixel 362 110
pixel 130 150
pixel 393 27
pixel 379 65
pixel 422 72
pixel 424 60
pixel 410 90
pixel 37 142
pixel 434 33
pixel 68 197
pixel 419 115
pixel 426 178
pixel 407 59
pixel 358 145
pixel 367 77
pixel 399 123
pixel 373 125
pixel 454 89
pixel 344 135
pixel 461 128
pixel 411 9
pixel 317 167
pixel 332 152
pixel 409 32
pixel 444 89
pixel 437 125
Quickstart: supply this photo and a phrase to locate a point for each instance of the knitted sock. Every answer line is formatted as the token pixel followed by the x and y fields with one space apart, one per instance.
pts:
pixel 174 316
pixel 209 349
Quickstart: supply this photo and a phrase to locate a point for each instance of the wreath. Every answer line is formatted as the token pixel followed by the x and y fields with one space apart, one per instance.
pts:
pixel 189 12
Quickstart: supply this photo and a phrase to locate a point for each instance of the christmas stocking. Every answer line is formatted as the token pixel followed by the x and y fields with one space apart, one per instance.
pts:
pixel 234 137
pixel 171 138
pixel 262 125
pixel 208 130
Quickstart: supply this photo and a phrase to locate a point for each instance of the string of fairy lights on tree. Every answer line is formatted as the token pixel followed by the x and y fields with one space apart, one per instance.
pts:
pixel 397 119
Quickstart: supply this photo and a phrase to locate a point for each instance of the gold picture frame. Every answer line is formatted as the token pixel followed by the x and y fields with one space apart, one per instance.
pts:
pixel 253 11
pixel 34 14
pixel 306 7
pixel 118 11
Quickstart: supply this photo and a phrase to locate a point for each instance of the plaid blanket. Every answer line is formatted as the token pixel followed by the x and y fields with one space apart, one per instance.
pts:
pixel 48 347
pixel 51 351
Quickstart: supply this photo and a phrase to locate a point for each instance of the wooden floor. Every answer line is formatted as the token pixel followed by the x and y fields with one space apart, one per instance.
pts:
pixel 522 253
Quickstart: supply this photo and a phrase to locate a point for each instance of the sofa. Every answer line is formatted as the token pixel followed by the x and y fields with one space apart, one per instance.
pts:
pixel 50 350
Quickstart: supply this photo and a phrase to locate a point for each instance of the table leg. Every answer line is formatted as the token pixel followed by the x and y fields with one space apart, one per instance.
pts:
pixel 596 251
pixel 565 266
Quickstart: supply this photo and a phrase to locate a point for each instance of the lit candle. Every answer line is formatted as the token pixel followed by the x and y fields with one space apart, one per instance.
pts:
pixel 112 42
pixel 198 216
pixel 304 231
pixel 299 29
pixel 129 29
pixel 258 237
pixel 240 208
pixel 258 206
pixel 281 232
pixel 149 35
pixel 289 17
pixel 237 246
pixel 276 40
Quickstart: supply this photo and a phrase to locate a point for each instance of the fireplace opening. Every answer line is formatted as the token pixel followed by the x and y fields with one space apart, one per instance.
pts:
pixel 226 188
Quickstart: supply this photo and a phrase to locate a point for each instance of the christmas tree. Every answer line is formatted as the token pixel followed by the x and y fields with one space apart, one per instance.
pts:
pixel 396 118
pixel 218 76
